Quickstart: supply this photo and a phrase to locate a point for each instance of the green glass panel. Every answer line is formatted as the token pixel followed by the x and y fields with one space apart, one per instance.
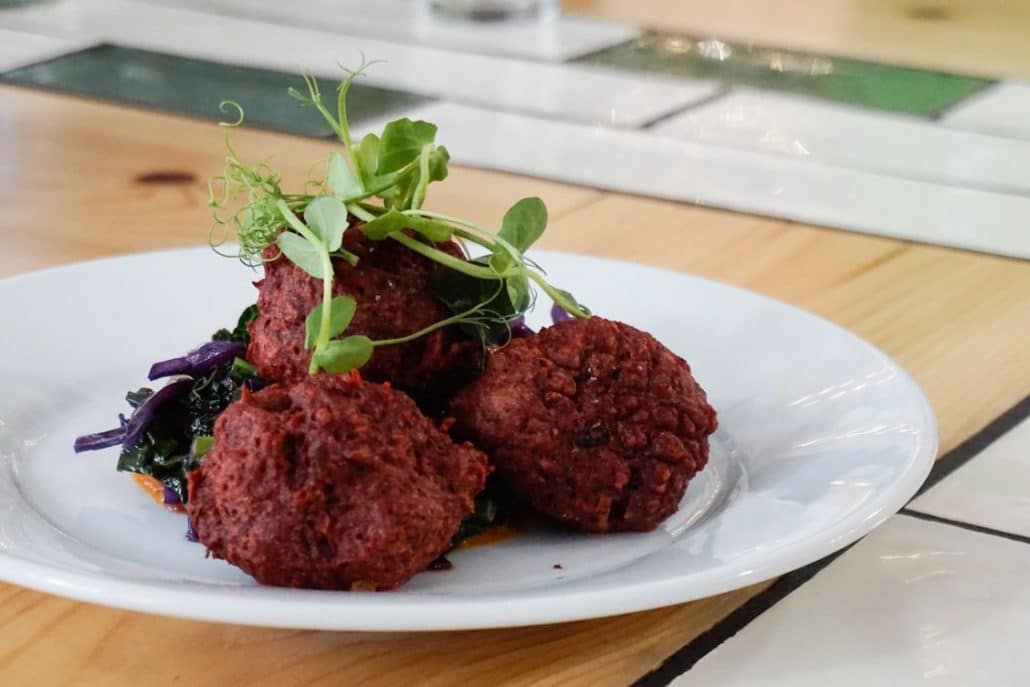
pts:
pixel 864 84
pixel 196 87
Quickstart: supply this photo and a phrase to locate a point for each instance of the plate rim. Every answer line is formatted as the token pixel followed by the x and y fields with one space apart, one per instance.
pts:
pixel 375 612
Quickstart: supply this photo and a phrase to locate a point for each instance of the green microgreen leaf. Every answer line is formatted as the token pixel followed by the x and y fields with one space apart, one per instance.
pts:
pixel 301 253
pixel 462 292
pixel 524 223
pixel 401 188
pixel 392 221
pixel 326 217
pixel 568 302
pixel 519 294
pixel 385 224
pixel 438 160
pixel 444 258
pixel 437 232
pixel 395 167
pixel 344 355
pixel 418 194
pixel 366 156
pixel 341 180
pixel 341 312
pixel 402 142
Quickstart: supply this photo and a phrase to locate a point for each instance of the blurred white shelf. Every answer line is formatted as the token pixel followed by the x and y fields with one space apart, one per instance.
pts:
pixel 581 93
pixel 762 183
pixel 18 49
pixel 410 21
pixel 854 138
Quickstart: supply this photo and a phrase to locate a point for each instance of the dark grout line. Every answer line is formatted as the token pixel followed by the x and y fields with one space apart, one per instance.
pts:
pixel 720 93
pixel 684 659
pixel 974 445
pixel 979 529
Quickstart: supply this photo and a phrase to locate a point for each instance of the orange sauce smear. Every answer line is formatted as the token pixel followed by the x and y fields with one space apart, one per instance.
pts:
pixel 494 534
pixel 512 527
pixel 155 490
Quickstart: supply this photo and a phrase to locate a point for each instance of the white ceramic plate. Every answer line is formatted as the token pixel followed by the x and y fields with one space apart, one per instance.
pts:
pixel 821 438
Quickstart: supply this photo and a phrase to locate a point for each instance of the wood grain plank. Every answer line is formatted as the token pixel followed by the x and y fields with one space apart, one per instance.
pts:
pixel 73 179
pixel 958 321
pixel 53 641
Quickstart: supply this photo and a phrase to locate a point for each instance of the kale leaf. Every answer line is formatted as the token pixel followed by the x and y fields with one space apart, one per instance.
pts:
pixel 165 450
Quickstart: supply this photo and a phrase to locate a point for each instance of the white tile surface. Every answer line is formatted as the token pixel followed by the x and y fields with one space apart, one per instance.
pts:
pixel 1002 110
pixel 639 162
pixel 18 49
pixel 856 138
pixel 915 603
pixel 574 92
pixel 551 39
pixel 992 489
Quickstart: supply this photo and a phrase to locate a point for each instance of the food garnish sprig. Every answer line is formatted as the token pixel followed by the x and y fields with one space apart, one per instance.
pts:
pixel 381 181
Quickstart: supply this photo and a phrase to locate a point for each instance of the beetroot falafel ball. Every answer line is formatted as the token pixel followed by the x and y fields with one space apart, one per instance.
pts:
pixel 391 286
pixel 331 483
pixel 592 422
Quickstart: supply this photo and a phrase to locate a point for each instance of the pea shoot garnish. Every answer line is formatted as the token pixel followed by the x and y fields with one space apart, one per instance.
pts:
pixel 380 182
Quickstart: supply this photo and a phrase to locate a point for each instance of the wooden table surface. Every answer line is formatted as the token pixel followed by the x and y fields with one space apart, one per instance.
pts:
pixel 977 37
pixel 74 187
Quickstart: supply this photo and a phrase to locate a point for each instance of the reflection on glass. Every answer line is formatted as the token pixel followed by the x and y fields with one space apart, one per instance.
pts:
pixel 866 84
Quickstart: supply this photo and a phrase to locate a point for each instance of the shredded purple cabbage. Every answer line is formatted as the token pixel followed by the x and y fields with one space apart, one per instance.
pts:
pixel 95 442
pixel 518 327
pixel 559 314
pixel 191 533
pixel 143 416
pixel 200 361
pixel 169 497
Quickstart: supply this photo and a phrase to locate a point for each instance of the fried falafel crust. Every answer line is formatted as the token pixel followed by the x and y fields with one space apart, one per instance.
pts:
pixel 391 285
pixel 592 422
pixel 332 483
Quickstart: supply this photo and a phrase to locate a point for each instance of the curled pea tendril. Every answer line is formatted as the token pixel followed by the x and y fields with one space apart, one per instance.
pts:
pixel 395 168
